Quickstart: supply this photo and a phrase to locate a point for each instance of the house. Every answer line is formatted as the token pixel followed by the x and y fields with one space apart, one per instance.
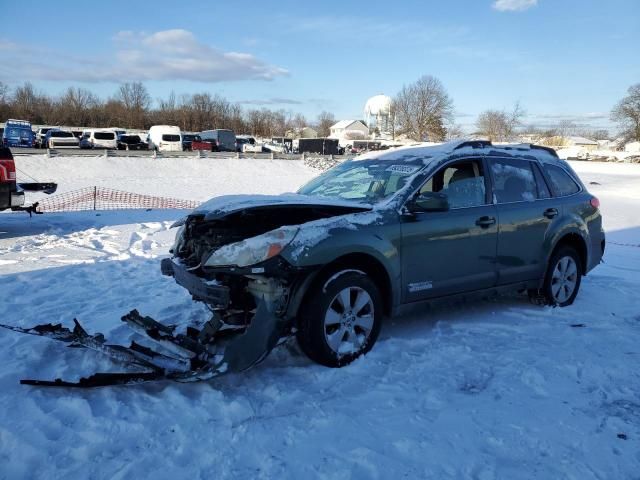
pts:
pixel 581 142
pixel 346 130
pixel 304 132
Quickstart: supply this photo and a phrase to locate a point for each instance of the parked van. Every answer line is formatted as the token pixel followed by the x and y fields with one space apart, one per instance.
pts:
pixel 98 138
pixel 224 139
pixel 18 133
pixel 165 138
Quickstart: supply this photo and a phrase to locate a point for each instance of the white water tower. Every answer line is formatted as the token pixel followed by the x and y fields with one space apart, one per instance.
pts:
pixel 377 114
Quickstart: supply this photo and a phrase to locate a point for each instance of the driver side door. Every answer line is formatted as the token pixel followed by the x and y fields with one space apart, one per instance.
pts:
pixel 453 251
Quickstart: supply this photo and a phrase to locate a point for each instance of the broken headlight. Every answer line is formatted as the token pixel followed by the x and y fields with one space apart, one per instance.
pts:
pixel 252 250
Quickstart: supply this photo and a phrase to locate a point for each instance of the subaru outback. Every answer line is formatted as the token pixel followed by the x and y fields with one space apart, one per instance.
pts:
pixel 380 234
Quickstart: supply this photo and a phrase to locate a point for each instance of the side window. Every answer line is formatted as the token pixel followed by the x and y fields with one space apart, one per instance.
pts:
pixel 561 182
pixel 463 182
pixel 543 190
pixel 513 181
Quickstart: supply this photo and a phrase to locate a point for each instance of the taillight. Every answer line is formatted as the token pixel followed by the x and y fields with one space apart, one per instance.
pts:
pixel 7 171
pixel 595 203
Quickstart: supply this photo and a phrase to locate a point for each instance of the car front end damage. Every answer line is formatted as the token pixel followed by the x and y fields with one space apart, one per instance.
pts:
pixel 233 265
pixel 231 260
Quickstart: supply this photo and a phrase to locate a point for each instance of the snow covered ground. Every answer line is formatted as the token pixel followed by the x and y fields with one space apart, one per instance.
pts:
pixel 497 389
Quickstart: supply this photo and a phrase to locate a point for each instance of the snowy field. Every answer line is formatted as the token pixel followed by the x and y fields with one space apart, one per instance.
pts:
pixel 493 390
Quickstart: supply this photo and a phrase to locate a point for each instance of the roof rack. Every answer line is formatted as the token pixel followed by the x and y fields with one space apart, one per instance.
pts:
pixel 473 144
pixel 528 146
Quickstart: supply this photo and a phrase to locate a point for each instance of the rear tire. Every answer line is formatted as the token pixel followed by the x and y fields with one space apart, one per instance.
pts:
pixel 562 279
pixel 340 319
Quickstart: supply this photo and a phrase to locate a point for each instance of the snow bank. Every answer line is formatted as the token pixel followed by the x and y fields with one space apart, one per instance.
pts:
pixel 185 178
pixel 487 390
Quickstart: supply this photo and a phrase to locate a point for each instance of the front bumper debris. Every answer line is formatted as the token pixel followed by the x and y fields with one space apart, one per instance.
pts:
pixel 212 294
pixel 194 356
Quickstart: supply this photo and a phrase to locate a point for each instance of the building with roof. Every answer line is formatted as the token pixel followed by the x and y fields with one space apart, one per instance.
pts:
pixel 348 130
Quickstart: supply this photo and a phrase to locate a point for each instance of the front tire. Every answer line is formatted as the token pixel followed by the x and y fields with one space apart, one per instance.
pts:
pixel 562 278
pixel 340 319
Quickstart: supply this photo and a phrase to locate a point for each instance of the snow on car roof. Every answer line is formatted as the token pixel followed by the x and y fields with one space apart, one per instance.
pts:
pixel 428 150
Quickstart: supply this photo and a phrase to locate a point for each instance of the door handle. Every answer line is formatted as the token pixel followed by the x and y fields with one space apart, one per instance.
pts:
pixel 485 222
pixel 550 212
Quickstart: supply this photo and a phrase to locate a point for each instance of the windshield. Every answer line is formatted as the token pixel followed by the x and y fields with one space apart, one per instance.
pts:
pixel 170 138
pixel 61 134
pixel 130 139
pixel 364 180
pixel 104 135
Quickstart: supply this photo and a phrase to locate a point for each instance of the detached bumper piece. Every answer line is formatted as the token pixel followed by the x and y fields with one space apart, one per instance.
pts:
pixel 200 290
pixel 190 357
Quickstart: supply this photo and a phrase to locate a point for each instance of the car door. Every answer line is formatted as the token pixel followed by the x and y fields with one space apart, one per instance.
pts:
pixel 526 212
pixel 451 251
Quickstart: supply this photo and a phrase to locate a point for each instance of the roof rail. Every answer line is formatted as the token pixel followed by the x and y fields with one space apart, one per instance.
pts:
pixel 546 149
pixel 473 144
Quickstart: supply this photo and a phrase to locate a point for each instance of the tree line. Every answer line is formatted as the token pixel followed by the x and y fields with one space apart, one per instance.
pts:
pixel 132 107
pixel 422 110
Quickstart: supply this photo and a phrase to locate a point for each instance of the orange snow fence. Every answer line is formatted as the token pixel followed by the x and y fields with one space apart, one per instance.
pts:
pixel 101 198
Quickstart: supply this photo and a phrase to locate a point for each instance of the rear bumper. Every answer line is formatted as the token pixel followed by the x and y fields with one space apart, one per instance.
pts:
pixel 10 197
pixel 199 289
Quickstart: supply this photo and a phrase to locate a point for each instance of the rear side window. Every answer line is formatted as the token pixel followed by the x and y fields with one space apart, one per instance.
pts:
pixel 513 181
pixel 561 182
pixel 543 190
pixel 170 138
pixel 104 135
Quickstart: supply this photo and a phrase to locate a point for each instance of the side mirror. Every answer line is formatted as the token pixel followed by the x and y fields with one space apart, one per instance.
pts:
pixel 429 202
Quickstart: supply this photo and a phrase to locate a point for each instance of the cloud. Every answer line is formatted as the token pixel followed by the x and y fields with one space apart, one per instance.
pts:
pixel 514 5
pixel 138 56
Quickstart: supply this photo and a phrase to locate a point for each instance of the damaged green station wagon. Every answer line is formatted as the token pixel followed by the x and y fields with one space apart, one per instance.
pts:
pixel 380 233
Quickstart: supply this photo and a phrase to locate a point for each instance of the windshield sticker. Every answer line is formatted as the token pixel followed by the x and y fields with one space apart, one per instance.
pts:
pixel 403 169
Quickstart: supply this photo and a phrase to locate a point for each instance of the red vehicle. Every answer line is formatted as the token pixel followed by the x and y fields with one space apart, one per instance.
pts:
pixel 209 145
pixel 11 192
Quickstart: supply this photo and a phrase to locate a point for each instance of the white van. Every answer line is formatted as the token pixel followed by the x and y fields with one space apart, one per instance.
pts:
pixel 165 138
pixel 99 138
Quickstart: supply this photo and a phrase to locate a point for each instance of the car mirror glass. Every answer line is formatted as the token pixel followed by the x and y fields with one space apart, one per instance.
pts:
pixel 429 202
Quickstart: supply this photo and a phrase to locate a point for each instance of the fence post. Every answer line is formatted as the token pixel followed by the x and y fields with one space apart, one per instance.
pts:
pixel 95 196
pixel 272 156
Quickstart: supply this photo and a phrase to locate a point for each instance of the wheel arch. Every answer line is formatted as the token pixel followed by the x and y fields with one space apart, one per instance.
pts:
pixel 358 261
pixel 575 240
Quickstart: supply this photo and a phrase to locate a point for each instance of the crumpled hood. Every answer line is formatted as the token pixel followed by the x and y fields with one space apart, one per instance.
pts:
pixel 219 207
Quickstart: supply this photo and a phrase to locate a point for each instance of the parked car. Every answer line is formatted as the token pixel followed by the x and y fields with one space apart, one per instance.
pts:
pixel 58 138
pixel 206 145
pixel 188 139
pixel 385 233
pixel 131 142
pixel 99 138
pixel 17 133
pixel 225 140
pixel 40 134
pixel 165 138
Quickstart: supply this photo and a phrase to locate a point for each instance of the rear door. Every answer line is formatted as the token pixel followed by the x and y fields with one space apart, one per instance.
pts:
pixel 450 252
pixel 526 212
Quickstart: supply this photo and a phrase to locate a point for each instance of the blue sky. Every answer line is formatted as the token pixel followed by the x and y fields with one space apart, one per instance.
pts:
pixel 562 59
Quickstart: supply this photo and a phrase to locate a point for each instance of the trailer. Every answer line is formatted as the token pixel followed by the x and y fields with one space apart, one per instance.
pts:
pixel 323 146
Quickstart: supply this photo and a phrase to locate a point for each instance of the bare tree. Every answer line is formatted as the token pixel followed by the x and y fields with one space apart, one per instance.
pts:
pixel 499 125
pixel 422 108
pixel 324 123
pixel 626 114
pixel 136 101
